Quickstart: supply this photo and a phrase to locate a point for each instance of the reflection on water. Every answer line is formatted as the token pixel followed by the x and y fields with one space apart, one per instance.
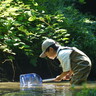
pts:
pixel 45 90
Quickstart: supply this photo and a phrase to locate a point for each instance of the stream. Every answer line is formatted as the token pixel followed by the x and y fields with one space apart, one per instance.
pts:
pixel 47 89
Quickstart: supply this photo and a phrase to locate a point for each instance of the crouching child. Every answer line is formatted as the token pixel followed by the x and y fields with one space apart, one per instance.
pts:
pixel 75 64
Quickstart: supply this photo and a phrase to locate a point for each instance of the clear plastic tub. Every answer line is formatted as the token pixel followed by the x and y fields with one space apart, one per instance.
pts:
pixel 31 79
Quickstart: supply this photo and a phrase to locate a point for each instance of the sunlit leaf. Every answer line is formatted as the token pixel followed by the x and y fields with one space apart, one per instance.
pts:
pixel 32 18
pixel 82 1
pixel 35 4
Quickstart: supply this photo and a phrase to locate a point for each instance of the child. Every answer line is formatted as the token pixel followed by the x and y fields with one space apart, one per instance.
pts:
pixel 76 65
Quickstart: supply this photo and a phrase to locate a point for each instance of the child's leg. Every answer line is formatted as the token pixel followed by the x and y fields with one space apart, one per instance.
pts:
pixel 81 73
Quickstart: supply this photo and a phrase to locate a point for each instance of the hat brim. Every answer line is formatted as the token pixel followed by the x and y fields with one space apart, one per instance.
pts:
pixel 42 55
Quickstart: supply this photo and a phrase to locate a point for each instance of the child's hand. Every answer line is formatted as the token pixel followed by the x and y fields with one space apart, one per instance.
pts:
pixel 67 77
pixel 58 78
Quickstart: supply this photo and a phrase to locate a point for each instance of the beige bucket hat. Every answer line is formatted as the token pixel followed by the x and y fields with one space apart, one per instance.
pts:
pixel 45 45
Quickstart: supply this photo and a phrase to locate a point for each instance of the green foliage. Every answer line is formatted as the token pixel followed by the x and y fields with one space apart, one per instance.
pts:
pixel 25 23
pixel 87 92
pixel 23 26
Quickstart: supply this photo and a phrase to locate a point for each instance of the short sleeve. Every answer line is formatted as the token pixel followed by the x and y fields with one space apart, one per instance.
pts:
pixel 64 58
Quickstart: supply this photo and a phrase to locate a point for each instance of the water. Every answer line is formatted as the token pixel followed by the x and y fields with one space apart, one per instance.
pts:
pixel 47 89
pixel 44 90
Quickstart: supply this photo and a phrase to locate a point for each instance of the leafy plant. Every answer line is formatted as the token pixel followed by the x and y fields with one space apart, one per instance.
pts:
pixel 87 92
pixel 24 24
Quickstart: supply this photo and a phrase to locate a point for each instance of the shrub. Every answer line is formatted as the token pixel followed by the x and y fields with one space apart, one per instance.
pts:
pixel 24 24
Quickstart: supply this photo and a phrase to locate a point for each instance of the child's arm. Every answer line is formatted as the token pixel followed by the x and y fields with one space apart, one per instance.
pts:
pixel 60 77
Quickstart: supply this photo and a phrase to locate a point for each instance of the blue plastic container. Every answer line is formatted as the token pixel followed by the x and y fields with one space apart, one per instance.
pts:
pixel 31 79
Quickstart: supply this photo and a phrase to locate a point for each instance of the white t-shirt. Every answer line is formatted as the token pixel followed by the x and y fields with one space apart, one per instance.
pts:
pixel 63 55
